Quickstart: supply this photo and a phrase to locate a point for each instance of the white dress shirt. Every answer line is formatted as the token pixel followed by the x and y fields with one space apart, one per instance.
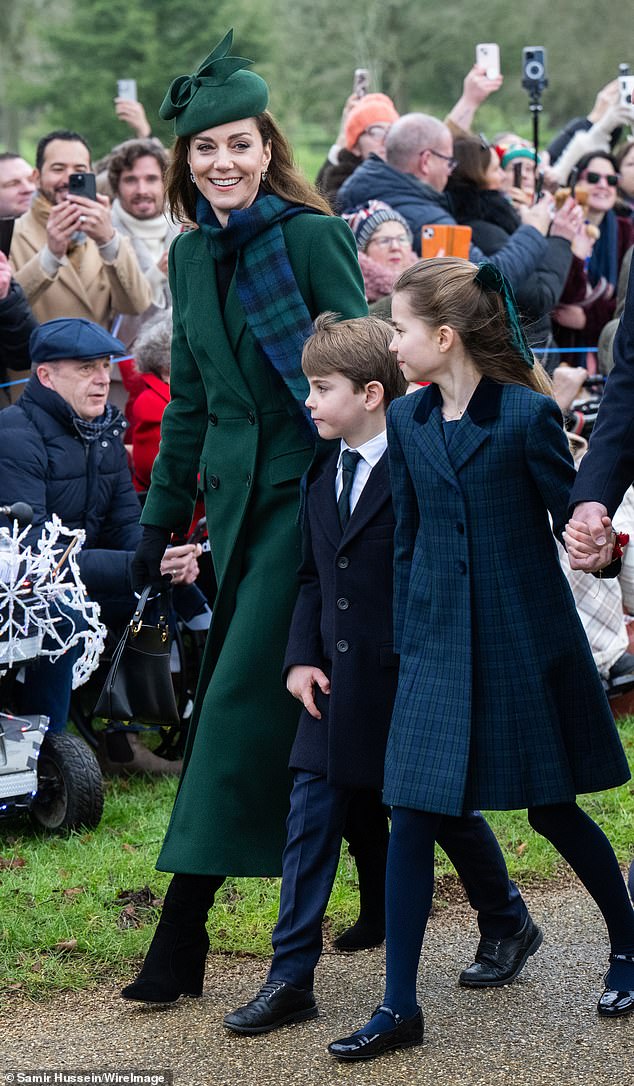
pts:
pixel 371 452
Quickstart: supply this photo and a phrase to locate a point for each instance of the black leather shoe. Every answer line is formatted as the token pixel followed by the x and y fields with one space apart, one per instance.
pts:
pixel 361 936
pixel 614 1004
pixel 362 1045
pixel 276 1004
pixel 498 961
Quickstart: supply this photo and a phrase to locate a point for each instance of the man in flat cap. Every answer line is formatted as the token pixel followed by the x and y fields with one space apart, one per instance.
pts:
pixel 61 450
pixel 67 255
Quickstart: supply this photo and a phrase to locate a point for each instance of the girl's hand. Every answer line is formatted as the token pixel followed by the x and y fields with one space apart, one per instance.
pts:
pixel 300 681
pixel 588 526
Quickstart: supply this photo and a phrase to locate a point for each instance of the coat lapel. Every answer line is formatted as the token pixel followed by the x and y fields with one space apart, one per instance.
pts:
pixel 468 435
pixel 429 437
pixel 374 494
pixel 324 507
pixel 472 431
pixel 225 344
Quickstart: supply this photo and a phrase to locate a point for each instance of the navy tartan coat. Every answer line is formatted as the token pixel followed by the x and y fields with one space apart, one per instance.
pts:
pixel 499 703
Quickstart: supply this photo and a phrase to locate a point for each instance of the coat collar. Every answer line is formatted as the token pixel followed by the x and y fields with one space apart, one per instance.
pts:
pixel 469 435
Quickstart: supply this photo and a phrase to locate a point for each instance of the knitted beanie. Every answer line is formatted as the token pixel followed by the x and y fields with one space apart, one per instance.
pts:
pixel 508 153
pixel 372 109
pixel 364 220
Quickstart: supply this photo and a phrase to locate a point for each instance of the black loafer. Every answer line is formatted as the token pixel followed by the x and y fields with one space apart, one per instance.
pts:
pixel 615 1004
pixel 362 1045
pixel 498 961
pixel 276 1004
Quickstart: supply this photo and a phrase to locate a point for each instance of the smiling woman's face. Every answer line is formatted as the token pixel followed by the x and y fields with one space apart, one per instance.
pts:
pixel 227 163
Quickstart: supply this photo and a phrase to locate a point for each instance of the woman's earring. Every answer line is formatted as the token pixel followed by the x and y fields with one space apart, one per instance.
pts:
pixel 191 174
pixel 264 175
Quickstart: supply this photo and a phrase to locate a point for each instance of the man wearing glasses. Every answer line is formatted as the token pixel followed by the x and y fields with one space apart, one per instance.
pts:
pixel 413 178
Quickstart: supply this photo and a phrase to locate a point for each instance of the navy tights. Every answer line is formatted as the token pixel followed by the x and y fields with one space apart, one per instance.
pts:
pixel 410 885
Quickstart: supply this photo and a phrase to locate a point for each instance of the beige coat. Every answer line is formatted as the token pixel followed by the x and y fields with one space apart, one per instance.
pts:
pixel 96 291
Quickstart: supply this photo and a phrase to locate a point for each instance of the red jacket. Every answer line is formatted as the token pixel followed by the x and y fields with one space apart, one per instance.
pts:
pixel 147 412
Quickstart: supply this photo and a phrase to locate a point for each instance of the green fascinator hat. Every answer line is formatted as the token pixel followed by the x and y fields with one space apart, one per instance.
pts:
pixel 219 91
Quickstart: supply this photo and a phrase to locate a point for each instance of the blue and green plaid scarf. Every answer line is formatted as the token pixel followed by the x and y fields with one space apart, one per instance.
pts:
pixel 275 311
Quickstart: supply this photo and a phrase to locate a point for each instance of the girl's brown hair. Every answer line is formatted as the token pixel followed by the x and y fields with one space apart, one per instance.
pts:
pixel 444 291
pixel 283 177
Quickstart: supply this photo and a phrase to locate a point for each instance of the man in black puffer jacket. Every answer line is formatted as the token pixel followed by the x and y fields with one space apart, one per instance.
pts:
pixel 61 451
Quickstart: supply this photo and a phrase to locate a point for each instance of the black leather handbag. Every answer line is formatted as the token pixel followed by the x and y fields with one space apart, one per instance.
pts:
pixel 139 683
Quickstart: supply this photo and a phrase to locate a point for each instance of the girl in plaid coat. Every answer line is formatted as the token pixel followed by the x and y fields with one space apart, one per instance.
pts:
pixel 499 703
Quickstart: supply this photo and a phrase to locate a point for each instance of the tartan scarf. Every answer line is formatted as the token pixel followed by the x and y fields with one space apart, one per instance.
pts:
pixel 275 311
pixel 90 429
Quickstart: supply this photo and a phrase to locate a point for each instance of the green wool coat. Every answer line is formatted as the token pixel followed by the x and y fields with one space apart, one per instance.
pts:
pixel 229 422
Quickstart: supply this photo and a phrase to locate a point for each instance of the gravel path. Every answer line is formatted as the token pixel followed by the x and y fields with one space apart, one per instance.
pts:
pixel 541 1030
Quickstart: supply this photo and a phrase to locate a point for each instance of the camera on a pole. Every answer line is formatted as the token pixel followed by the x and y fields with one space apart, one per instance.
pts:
pixel 534 78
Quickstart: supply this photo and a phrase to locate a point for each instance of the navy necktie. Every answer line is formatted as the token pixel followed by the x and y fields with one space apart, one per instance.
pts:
pixel 349 460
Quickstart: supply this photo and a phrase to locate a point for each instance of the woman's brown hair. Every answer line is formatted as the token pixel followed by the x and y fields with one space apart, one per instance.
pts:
pixel 474 158
pixel 283 177
pixel 444 291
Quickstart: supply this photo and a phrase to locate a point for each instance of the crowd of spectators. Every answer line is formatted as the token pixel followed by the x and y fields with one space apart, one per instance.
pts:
pixel 558 222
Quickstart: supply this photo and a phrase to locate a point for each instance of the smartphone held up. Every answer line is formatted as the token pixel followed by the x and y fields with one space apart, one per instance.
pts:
pixel 126 88
pixel 361 82
pixel 488 57
pixel 83 184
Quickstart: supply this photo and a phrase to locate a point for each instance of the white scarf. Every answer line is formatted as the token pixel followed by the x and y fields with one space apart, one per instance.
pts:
pixel 152 232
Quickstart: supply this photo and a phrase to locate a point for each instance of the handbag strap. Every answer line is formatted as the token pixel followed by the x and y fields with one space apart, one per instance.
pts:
pixel 136 621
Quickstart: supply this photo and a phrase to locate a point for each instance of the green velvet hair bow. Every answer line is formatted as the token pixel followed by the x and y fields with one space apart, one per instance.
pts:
pixel 491 279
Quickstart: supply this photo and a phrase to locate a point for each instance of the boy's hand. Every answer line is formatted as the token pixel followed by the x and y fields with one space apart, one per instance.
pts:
pixel 300 681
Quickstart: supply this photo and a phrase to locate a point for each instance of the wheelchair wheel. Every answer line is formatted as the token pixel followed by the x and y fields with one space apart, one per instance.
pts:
pixel 70 785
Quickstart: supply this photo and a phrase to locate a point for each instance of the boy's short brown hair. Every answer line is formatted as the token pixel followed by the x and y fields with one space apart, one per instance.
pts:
pixel 357 349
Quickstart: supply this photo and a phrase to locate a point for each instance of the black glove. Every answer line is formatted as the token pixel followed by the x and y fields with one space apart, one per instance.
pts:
pixel 146 564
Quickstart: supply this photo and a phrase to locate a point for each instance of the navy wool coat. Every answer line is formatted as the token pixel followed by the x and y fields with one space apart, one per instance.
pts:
pixel 342 623
pixel 499 703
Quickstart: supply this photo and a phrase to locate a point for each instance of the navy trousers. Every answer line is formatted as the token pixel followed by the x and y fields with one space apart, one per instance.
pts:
pixel 315 829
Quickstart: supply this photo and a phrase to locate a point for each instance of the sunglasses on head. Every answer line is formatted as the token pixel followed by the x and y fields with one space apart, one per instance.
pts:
pixel 594 178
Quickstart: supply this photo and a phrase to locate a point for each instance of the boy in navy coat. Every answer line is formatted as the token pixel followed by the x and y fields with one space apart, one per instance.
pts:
pixel 341 665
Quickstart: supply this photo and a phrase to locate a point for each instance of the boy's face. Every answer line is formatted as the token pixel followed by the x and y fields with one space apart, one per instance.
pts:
pixel 337 408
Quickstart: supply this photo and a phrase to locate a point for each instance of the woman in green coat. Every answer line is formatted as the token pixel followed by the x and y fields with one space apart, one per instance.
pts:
pixel 268 256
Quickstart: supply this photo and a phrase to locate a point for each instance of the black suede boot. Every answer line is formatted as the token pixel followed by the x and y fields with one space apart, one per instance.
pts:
pixel 175 962
pixel 370 858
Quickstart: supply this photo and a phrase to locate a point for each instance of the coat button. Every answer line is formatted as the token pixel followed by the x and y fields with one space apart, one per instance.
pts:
pixel 213 419
pixel 104 444
pixel 116 433
pixel 214 482
pixel 343 604
pixel 342 646
pixel 251 418
pixel 343 562
pixel 461 567
pixel 460 527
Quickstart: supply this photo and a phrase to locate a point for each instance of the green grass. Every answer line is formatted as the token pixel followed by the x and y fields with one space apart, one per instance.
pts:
pixel 64 890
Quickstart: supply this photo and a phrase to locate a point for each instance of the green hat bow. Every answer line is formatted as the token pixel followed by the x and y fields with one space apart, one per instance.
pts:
pixel 219 91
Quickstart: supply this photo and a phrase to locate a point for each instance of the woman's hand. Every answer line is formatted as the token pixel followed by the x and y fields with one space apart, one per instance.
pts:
pixel 300 681
pixel 5 276
pixel 180 563
pixel 568 221
pixel 570 316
